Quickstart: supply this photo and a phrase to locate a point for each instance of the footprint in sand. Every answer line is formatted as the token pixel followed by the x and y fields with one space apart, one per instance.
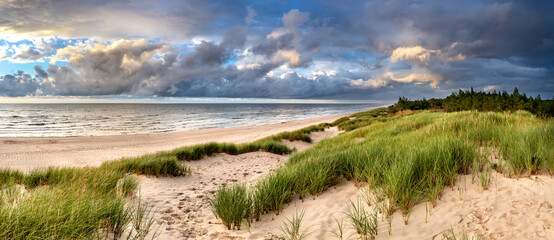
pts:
pixel 522 204
pixel 545 207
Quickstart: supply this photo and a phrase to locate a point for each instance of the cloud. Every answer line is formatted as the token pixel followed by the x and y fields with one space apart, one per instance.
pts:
pixel 23 53
pixel 22 84
pixel 489 88
pixel 291 57
pixel 417 55
pixel 4 51
pixel 370 83
pixel 111 20
pixel 250 16
pixel 294 18
pixel 416 77
pixel 333 50
pixel 40 72
pixel 108 69
pixel 402 77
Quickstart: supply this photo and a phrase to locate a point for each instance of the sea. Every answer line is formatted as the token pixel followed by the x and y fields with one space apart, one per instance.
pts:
pixel 84 119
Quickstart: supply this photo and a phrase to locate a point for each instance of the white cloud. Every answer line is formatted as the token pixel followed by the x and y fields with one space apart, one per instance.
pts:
pixel 4 51
pixel 415 77
pixel 489 88
pixel 388 78
pixel 370 83
pixel 416 55
pixel 24 53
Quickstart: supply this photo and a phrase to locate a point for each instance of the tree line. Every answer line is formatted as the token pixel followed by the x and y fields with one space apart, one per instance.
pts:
pixel 481 101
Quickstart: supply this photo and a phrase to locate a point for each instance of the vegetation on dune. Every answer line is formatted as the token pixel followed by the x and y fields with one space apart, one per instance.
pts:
pixel 299 135
pixel 80 203
pixel 197 152
pixel 411 156
pixel 362 119
pixel 291 228
pixel 91 203
pixel 270 144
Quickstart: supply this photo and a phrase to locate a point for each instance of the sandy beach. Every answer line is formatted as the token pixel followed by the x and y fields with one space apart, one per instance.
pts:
pixel 32 153
pixel 512 208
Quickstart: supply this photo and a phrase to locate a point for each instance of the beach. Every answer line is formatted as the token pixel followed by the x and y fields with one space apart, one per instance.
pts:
pixel 511 207
pixel 27 153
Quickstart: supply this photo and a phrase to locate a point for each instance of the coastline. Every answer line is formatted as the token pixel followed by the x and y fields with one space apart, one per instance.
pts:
pixel 28 153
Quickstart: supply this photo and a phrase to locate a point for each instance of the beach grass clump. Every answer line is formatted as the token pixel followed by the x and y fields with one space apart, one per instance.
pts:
pixel 451 235
pixel 197 152
pixel 362 221
pixel 300 134
pixel 270 144
pixel 528 149
pixel 232 205
pixel 274 191
pixel 291 228
pixel 9 177
pixel 160 164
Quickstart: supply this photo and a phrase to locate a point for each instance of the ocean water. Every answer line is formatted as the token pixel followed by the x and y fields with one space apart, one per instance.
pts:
pixel 49 120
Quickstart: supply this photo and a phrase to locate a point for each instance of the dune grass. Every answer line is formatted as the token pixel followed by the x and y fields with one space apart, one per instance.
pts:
pixel 363 222
pixel 80 203
pixel 232 206
pixel 300 134
pixel 291 228
pixel 91 202
pixel 270 144
pixel 410 157
pixel 362 119
pixel 197 152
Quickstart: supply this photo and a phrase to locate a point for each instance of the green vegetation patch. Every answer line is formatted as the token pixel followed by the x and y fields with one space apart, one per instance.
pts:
pixel 409 157
pixel 80 203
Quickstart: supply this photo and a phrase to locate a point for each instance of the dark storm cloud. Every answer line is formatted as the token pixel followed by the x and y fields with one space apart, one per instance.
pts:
pixel 119 19
pixel 41 73
pixel 21 84
pixel 364 50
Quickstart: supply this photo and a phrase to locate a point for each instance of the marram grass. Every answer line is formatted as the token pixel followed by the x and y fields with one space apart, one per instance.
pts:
pixel 411 156
pixel 80 203
pixel 90 202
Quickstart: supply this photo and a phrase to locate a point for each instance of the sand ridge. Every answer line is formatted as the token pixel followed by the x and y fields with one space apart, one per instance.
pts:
pixel 511 208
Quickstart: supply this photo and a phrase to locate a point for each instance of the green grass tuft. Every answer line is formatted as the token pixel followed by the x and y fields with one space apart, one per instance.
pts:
pixel 291 227
pixel 232 205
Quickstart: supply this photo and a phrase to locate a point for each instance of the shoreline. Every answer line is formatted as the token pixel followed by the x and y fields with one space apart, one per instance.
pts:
pixel 28 153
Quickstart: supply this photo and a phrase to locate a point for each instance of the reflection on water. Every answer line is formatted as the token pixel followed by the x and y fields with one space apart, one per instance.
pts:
pixel 26 120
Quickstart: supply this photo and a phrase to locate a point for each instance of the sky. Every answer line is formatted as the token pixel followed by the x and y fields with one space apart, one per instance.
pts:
pixel 326 50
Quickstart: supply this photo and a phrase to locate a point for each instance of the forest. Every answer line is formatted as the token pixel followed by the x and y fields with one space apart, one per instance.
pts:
pixel 481 101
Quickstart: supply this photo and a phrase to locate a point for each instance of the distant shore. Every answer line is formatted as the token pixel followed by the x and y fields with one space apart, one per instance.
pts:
pixel 27 153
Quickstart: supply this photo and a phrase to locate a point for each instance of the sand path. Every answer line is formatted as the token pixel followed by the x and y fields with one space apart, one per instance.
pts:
pixel 182 202
pixel 31 153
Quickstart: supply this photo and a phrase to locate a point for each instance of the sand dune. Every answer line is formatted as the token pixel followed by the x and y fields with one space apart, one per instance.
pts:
pixel 510 209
